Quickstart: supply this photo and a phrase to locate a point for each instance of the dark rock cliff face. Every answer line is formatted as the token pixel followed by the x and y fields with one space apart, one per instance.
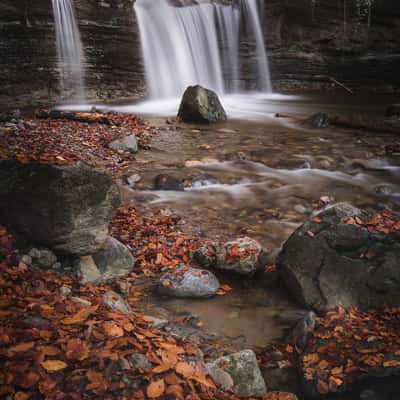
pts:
pixel 28 61
pixel 330 38
pixel 334 38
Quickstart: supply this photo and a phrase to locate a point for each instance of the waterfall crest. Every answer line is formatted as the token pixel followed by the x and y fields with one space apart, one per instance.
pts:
pixel 69 49
pixel 198 44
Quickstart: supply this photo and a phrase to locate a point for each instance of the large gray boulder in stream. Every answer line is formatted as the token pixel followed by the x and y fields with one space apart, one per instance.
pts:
pixel 200 105
pixel 339 258
pixel 63 207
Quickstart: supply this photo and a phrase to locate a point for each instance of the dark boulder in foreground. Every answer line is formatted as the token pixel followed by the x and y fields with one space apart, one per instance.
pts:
pixel 66 208
pixel 200 105
pixel 334 259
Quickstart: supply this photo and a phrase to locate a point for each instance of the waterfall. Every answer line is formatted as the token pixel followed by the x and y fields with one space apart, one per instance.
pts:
pixel 69 49
pixel 198 44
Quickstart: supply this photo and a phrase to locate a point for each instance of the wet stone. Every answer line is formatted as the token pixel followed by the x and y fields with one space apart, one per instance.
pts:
pixel 241 256
pixel 188 282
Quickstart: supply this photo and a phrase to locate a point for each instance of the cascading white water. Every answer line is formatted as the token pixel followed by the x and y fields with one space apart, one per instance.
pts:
pixel 197 44
pixel 69 49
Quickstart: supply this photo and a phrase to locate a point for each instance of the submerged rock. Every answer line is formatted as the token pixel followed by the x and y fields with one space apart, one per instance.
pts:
pixel 317 121
pixel 168 182
pixel 240 373
pixel 200 105
pixel 65 208
pixel 329 262
pixel 188 282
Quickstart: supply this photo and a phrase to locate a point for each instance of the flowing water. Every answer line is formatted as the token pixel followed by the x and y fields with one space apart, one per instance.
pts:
pixel 197 44
pixel 262 178
pixel 69 50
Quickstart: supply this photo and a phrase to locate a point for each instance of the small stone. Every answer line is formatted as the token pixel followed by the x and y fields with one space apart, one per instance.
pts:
pixel 133 180
pixel 57 266
pixel 65 291
pixel 139 360
pixel 42 258
pixel 188 282
pixel 88 270
pixel 300 209
pixel 113 260
pixel 241 256
pixel 168 182
pixel 79 300
pixel 156 323
pixel 26 259
pixel 36 322
pixel 116 302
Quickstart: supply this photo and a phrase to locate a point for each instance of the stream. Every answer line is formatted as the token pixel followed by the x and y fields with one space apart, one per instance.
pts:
pixel 260 176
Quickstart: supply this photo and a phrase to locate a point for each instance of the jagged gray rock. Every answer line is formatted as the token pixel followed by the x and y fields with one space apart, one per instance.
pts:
pixel 329 263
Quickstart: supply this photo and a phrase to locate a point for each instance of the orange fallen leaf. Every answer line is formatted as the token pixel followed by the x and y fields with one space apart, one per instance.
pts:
pixel 113 330
pixel 80 316
pixel 184 369
pixel 53 365
pixel 20 348
pixel 156 389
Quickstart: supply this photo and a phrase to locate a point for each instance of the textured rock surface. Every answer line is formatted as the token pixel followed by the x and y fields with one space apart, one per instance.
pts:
pixel 114 259
pixel 240 373
pixel 335 263
pixel 189 282
pixel 64 208
pixel 201 105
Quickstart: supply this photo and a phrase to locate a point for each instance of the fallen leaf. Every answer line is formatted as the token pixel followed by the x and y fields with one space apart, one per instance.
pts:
pixel 53 365
pixel 156 389
pixel 81 316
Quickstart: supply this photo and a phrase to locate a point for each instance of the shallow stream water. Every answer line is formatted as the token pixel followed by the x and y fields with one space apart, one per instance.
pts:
pixel 261 176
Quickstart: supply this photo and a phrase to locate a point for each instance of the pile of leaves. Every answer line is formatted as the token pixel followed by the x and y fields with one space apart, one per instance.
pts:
pixel 63 141
pixel 52 347
pixel 156 242
pixel 349 345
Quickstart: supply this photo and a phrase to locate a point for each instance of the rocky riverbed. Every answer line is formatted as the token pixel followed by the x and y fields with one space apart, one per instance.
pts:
pixel 205 212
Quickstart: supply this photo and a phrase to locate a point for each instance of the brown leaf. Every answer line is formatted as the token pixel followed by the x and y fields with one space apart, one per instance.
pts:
pixel 184 369
pixel 20 348
pixel 156 389
pixel 53 365
pixel 81 316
